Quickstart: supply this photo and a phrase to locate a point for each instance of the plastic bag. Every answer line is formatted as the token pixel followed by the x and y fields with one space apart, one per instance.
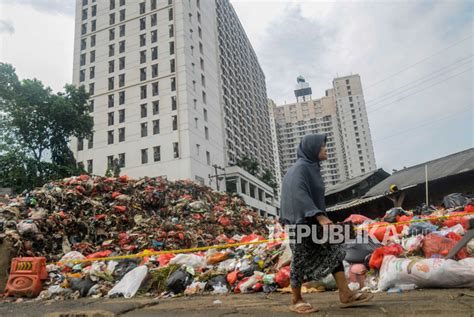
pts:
pixel 458 229
pixel 247 286
pixel 232 277
pixel 454 200
pixel 357 252
pixel 357 274
pixel 357 219
pixel 217 257
pixel 417 228
pixel 252 237
pixel 392 214
pixel 130 283
pixel 164 259
pixel 412 244
pixel 438 245
pixel 178 281
pixel 285 256
pixel 192 260
pixel 453 221
pixel 73 255
pixel 470 247
pixel 283 277
pixel 380 230
pixel 377 257
pixel 426 273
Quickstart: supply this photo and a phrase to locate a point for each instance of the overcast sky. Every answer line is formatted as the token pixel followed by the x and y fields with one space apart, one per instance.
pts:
pixel 415 59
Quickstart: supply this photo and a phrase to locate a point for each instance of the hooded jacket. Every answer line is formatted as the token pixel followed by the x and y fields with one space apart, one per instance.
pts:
pixel 302 192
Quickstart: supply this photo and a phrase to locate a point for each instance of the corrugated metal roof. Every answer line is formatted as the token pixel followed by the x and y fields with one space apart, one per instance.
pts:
pixel 351 182
pixel 453 164
pixel 353 203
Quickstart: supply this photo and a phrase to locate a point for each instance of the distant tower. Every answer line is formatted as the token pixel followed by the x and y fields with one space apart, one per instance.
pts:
pixel 302 89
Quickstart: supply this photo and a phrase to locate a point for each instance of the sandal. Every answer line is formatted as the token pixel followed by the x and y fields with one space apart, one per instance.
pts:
pixel 356 299
pixel 303 308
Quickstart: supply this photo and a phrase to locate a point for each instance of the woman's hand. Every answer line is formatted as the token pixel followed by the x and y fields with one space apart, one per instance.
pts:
pixel 323 220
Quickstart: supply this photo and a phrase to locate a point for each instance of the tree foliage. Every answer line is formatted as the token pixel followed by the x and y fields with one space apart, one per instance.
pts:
pixel 36 127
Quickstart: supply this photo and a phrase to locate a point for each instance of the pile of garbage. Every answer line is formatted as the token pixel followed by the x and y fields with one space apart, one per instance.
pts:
pixel 87 218
pixel 409 249
pixel 121 216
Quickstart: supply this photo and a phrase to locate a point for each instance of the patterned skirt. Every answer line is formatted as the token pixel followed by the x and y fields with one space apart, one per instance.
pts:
pixel 313 261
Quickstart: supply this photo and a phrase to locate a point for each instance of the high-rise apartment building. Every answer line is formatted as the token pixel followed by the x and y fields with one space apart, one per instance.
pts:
pixel 175 88
pixel 341 115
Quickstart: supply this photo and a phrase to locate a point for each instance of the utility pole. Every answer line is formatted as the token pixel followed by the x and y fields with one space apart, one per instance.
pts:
pixel 216 175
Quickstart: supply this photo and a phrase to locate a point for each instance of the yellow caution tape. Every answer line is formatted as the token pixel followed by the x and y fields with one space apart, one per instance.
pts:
pixel 232 245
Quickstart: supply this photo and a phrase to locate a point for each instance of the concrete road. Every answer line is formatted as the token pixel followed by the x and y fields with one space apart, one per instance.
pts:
pixel 452 302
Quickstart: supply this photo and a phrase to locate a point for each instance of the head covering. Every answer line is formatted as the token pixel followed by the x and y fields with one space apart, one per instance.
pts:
pixel 302 192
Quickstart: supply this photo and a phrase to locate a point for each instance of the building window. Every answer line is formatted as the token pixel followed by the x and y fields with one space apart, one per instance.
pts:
pixel 201 50
pixel 173 103
pixel 80 144
pixel 172 65
pixel 121 97
pixel 121 47
pixel 122 2
pixel 142 8
pixel 110 120
pixel 173 84
pixel 111 83
pixel 171 30
pixel 121 158
pixel 121 115
pixel 84 29
pixel 198 147
pixel 204 98
pixel 142 39
pixel 82 75
pixel 122 30
pixel 156 107
pixel 111 101
pixel 153 20
pixel 111 50
pixel 144 129
pixel 142 23
pixel 122 15
pixel 154 36
pixel 170 14
pixel 156 154
pixel 111 66
pixel 171 48
pixel 142 57
pixel 206 133
pixel 83 44
pixel 143 73
pixel 84 2
pixel 143 110
pixel 121 63
pixel 110 161
pixel 93 25
pixel 112 4
pixel 199 32
pixel 175 149
pixel 202 63
pixel 91 88
pixel 89 166
pixel 156 126
pixel 144 156
pixel 121 80
pixel 92 56
pixel 110 137
pixel 155 89
pixel 111 34
pixel 208 158
pixel 90 141
pixel 143 92
pixel 91 105
pixel 205 114
pixel 92 40
pixel 154 70
pixel 111 18
pixel 121 134
pixel 203 80
pixel 83 59
pixel 154 53
pixel 174 120
pixel 196 122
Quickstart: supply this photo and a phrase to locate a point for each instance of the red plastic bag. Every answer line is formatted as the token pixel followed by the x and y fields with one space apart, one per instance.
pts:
pixel 356 219
pixel 469 208
pixel 232 277
pixel 452 221
pixel 237 288
pixel 120 209
pixel 116 194
pixel 164 259
pixel 435 244
pixel 224 221
pixel 100 254
pixel 252 237
pixel 378 230
pixel 283 277
pixel 377 257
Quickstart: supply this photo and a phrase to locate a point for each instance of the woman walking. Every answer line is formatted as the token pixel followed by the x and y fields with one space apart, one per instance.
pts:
pixel 302 204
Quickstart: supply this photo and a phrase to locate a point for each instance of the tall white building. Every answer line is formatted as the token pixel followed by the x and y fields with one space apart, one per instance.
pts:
pixel 168 82
pixel 341 115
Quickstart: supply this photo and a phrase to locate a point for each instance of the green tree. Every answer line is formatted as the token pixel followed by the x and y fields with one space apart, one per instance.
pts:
pixel 249 164
pixel 269 179
pixel 37 123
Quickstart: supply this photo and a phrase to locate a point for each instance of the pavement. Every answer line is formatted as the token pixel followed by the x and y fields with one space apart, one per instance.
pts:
pixel 452 302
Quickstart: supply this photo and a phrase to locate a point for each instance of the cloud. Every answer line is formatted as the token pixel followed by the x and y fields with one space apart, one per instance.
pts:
pixel 65 7
pixel 415 61
pixel 7 27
